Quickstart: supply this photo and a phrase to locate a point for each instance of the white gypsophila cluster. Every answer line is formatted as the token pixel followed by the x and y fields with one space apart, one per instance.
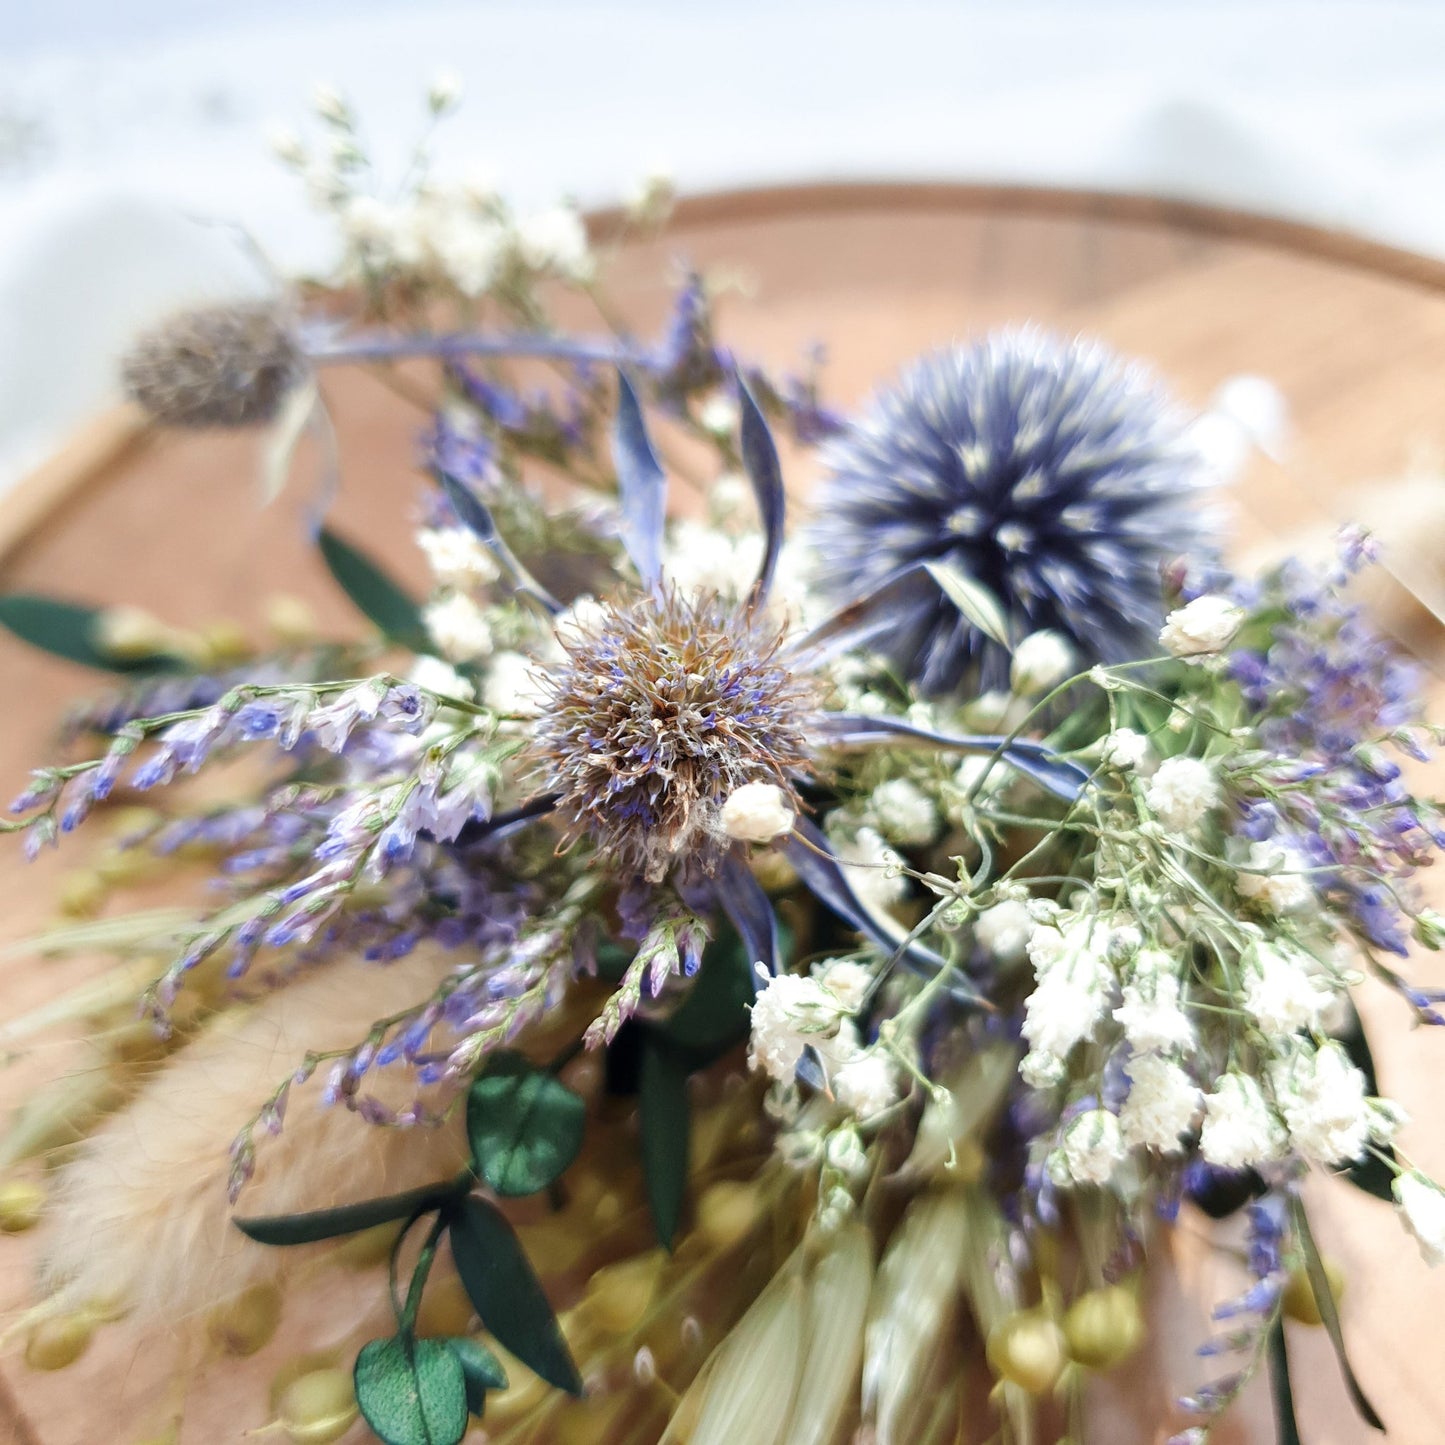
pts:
pixel 1126 751
pixel 903 813
pixel 1161 1106
pixel 555 240
pixel 845 978
pixel 1201 627
pixel 585 616
pixel 1279 882
pixel 1182 792
pixel 1321 1095
pixel 871 867
pixel 458 627
pixel 1240 1130
pixel 456 558
pixel 789 1014
pixel 512 686
pixel 867 1084
pixel 757 813
pixel 1151 1013
pixel 704 559
pixel 1074 982
pixel 1003 931
pixel 1091 1149
pixel 719 415
pixel 1040 662
pixel 440 677
pixel 1422 1211
pixel 1279 991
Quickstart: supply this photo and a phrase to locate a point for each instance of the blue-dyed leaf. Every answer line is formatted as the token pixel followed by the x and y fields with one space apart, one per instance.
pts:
pixel 1286 1427
pixel 750 911
pixel 376 596
pixel 412 1392
pixel 1059 776
pixel 760 461
pixel 481 1370
pixel 287 1229
pixel 475 515
pixel 524 1124
pixel 1329 1314
pixel 876 615
pixel 666 1130
pixel 641 485
pixel 505 1293
pixel 68 630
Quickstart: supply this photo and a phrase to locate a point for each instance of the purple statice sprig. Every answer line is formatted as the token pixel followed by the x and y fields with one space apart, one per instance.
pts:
pixel 672 947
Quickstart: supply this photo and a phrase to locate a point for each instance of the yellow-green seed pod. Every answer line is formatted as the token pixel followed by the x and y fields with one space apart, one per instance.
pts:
pixel 445 1307
pixel 1029 1350
pixel 291 621
pixel 224 642
pixel 317 1407
pixel 55 1343
pixel 247 1321
pixel 371 1247
pixel 121 867
pixel 619 1295
pixel 82 893
pixel 1104 1327
pixel 1299 1300
pixel 22 1201
pixel 727 1212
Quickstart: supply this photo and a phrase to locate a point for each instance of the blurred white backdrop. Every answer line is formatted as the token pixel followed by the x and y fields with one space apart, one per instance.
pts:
pixel 127 131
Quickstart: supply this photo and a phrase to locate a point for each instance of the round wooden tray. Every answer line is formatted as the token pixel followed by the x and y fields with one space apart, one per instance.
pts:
pixel 1353 335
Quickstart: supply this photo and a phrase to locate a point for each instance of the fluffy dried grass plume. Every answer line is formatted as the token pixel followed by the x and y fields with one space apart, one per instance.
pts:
pixel 217 366
pixel 141 1215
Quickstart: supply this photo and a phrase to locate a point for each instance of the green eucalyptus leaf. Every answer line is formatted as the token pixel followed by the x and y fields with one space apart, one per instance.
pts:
pixel 974 601
pixel 412 1392
pixel 481 1369
pixel 525 1126
pixel 506 1295
pixel 1329 1314
pixel 374 593
pixel 69 630
pixel 666 1129
pixel 286 1229
pixel 1286 1427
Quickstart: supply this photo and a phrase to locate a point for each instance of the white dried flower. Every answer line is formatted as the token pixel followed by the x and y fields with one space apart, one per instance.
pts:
pixel 1182 792
pixel 556 240
pixel 469 248
pixel 444 91
pixel 458 627
pixel 703 559
pixel 904 813
pixel 1239 1131
pixel 870 865
pixel 1150 1014
pixel 328 103
pixel 719 414
pixel 1040 662
pixel 512 687
pixel 1091 1149
pixel 456 558
pixel 847 979
pixel 1041 1070
pixel 1422 1211
pixel 1283 886
pixel 1068 1000
pixel 1322 1097
pixel 788 1015
pixel 1004 930
pixel 1126 750
pixel 586 616
pixel 1201 627
pixel 867 1084
pixel 1161 1105
pixel 1280 993
pixel 757 813
pixel 438 676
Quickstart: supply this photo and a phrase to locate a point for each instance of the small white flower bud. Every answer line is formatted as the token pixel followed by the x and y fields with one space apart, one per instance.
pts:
pixel 1040 662
pixel 757 813
pixel 1201 627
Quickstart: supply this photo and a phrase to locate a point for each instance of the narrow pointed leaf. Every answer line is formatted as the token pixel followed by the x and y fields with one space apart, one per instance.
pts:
pixel 505 1293
pixel 69 630
pixel 864 621
pixel 1329 1314
pixel 475 515
pixel 525 1126
pixel 750 911
pixel 288 1229
pixel 666 1131
pixel 1371 1174
pixel 974 601
pixel 376 596
pixel 760 461
pixel 481 1370
pixel 412 1392
pixel 641 485
pixel 1286 1427
pixel 284 437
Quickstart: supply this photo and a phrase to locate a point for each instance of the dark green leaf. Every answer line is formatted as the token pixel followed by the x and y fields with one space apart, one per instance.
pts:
pixel 505 1293
pixel 1329 1315
pixel 524 1124
pixel 481 1369
pixel 412 1392
pixel 373 592
pixel 1286 1428
pixel 665 1132
pixel 68 630
pixel 349 1218
pixel 1372 1173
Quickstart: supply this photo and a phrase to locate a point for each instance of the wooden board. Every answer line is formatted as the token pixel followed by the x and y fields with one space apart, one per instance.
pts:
pixel 1353 334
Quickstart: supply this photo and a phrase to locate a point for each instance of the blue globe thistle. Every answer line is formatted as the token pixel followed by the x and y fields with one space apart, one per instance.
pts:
pixel 1052 472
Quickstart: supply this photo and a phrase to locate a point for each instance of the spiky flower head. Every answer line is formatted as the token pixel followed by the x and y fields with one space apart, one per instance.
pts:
pixel 1052 472
pixel 661 708
pixel 217 366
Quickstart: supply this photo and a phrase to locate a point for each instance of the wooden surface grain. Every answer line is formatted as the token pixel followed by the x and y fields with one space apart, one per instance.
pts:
pixel 1353 335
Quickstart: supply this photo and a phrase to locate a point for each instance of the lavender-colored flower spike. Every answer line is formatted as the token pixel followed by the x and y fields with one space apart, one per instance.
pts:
pixel 1053 473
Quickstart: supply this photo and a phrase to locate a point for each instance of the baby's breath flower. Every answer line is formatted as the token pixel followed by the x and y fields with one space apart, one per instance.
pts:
pixel 846 978
pixel 870 865
pixel 867 1084
pixel 1182 793
pixel 1322 1097
pixel 1161 1105
pixel 1422 1211
pixel 1279 992
pixel 1126 750
pixel 511 686
pixel 1003 931
pixel 458 627
pixel 1072 991
pixel 457 559
pixel 904 813
pixel 1040 662
pixel 790 1014
pixel 1201 627
pixel 556 240
pixel 1091 1149
pixel 757 813
pixel 1283 886
pixel 1150 1013
pixel 1239 1129
pixel 435 675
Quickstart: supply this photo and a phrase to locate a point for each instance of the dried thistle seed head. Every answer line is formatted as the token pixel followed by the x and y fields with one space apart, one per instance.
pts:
pixel 659 712
pixel 217 366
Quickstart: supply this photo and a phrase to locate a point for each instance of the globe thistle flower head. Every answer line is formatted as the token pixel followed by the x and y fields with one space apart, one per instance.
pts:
pixel 217 366
pixel 660 709
pixel 1049 471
